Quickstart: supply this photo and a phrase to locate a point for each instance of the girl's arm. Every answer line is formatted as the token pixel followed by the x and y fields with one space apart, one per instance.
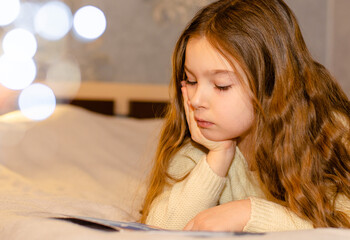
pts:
pixel 244 215
pixel 220 153
pixel 249 215
pixel 227 217
pixel 202 188
pixel 267 216
pixel 182 201
pixel 264 216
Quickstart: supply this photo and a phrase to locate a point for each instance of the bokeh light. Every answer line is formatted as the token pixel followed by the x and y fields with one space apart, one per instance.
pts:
pixel 17 74
pixel 89 22
pixel 19 44
pixel 9 10
pixel 37 102
pixel 53 20
pixel 64 77
pixel 26 16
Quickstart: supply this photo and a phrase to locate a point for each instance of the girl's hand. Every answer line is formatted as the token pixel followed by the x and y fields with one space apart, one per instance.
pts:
pixel 196 134
pixel 221 153
pixel 228 217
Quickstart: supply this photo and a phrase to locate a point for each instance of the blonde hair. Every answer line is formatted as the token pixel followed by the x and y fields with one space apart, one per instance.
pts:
pixel 301 135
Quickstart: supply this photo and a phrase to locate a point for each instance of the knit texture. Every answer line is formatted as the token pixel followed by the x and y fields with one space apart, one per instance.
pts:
pixel 202 189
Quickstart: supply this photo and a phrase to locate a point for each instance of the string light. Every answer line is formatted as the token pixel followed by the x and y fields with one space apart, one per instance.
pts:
pixel 9 11
pixel 52 21
pixel 17 74
pixel 37 102
pixel 19 44
pixel 89 22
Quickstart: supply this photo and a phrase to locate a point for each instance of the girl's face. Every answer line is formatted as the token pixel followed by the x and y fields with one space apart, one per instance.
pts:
pixel 222 108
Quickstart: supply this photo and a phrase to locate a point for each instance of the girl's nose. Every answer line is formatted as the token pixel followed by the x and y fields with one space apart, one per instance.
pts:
pixel 198 99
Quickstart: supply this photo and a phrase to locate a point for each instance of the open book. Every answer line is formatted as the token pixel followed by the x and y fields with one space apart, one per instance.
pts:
pixel 110 225
pixel 104 224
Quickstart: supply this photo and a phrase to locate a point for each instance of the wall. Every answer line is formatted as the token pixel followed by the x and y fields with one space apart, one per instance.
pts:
pixel 139 40
pixel 326 29
pixel 141 34
pixel 340 57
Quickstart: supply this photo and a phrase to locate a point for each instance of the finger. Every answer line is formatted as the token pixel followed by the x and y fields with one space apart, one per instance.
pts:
pixel 192 124
pixel 196 135
pixel 192 121
pixel 185 103
pixel 189 110
pixel 189 226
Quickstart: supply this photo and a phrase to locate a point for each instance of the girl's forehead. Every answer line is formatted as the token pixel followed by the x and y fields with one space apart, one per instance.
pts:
pixel 203 58
pixel 200 52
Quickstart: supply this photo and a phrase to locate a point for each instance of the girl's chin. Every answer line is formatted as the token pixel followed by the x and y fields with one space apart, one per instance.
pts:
pixel 215 136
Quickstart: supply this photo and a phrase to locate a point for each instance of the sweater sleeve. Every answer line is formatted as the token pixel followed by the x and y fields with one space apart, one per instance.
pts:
pixel 267 216
pixel 182 201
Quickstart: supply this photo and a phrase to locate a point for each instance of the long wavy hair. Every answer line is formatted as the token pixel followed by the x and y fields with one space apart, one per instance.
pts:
pixel 301 135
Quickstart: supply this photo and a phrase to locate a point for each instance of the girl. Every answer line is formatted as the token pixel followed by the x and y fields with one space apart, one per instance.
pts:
pixel 256 137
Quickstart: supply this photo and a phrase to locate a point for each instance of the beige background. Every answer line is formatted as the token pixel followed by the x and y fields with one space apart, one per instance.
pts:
pixel 140 36
pixel 138 42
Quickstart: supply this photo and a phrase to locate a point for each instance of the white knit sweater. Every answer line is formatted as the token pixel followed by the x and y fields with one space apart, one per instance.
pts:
pixel 202 189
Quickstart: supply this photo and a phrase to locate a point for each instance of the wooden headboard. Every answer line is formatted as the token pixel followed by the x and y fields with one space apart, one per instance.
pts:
pixel 123 99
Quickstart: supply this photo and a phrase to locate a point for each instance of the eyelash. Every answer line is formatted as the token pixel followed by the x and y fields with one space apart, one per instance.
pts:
pixel 220 88
pixel 190 83
pixel 223 88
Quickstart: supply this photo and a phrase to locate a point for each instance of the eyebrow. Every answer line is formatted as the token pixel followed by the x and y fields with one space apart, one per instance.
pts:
pixel 212 72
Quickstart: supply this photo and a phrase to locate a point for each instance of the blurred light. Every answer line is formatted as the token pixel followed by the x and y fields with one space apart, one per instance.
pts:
pixel 37 102
pixel 26 16
pixel 64 78
pixel 89 22
pixel 19 44
pixel 53 20
pixel 9 10
pixel 16 74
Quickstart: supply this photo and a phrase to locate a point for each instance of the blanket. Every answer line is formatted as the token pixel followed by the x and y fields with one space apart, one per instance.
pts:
pixel 81 163
pixel 76 162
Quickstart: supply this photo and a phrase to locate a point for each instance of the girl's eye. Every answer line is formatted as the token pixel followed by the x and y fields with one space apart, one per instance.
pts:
pixel 189 82
pixel 223 88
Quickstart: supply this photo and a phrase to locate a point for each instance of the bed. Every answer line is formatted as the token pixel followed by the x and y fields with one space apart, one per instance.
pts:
pixel 85 163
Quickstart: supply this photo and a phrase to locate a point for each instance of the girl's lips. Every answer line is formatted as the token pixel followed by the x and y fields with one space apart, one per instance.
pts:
pixel 203 124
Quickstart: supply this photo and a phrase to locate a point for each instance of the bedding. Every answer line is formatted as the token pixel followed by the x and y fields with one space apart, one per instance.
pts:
pixel 81 163
pixel 75 162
